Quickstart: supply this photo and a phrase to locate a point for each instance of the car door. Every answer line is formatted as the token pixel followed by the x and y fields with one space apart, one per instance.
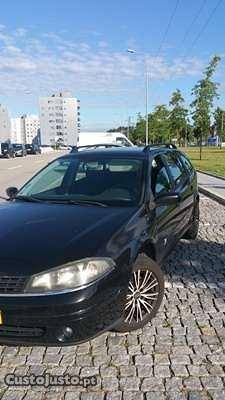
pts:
pixel 182 186
pixel 163 217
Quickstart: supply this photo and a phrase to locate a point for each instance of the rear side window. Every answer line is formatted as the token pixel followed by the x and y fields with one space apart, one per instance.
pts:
pixel 189 167
pixel 160 181
pixel 176 167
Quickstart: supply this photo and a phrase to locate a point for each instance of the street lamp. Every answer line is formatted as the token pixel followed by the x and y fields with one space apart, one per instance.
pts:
pixel 132 51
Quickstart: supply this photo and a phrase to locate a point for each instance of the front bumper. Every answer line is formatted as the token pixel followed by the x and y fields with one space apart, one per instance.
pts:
pixel 41 320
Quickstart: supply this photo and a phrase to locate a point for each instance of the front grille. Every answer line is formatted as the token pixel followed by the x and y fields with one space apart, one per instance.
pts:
pixel 12 284
pixel 19 331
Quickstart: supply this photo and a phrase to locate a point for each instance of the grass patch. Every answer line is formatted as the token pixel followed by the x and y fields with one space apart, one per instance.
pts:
pixel 213 159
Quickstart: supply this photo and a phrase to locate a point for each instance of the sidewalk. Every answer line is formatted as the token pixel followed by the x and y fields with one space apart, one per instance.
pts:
pixel 212 186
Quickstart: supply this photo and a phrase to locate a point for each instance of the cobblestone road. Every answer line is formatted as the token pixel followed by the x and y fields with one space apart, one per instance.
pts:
pixel 180 355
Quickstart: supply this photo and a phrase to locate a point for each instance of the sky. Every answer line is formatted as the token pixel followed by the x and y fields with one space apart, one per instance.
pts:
pixel 47 46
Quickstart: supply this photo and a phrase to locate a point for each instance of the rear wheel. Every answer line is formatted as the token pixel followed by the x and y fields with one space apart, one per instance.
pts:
pixel 192 232
pixel 144 297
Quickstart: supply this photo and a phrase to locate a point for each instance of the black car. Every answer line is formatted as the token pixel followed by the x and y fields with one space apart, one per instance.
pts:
pixel 32 149
pixel 7 150
pixel 70 237
pixel 20 150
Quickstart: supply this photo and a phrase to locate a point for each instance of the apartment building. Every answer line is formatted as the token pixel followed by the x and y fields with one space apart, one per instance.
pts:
pixel 16 131
pixel 59 119
pixel 5 124
pixel 30 128
pixel 25 129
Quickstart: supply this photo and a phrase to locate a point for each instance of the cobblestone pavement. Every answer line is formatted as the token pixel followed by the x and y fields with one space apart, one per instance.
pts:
pixel 180 355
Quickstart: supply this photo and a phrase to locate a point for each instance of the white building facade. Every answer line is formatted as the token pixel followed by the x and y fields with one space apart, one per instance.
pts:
pixel 30 128
pixel 5 124
pixel 59 119
pixel 16 130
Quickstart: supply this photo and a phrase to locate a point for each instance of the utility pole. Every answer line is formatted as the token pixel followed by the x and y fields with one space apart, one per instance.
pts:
pixel 146 104
pixel 222 116
pixel 128 127
pixel 132 51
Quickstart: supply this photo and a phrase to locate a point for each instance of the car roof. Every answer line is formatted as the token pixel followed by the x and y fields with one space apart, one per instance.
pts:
pixel 142 152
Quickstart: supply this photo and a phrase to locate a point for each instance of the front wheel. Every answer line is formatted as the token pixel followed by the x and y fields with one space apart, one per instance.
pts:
pixel 144 296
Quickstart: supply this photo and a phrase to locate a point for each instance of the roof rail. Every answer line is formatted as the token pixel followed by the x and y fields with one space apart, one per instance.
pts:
pixel 94 146
pixel 149 147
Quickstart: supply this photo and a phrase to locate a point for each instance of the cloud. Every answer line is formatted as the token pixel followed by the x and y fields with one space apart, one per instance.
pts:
pixel 102 44
pixel 49 62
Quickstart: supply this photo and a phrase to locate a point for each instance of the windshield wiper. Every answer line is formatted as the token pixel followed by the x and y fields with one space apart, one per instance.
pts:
pixel 30 199
pixel 78 202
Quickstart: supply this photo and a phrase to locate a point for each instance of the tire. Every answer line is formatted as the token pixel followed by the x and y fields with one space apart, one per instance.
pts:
pixel 192 232
pixel 148 275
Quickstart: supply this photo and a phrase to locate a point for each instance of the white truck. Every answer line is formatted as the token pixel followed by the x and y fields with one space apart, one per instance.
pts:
pixel 89 138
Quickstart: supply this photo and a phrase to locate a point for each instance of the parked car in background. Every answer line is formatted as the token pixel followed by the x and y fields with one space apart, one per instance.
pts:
pixel 20 150
pixel 32 149
pixel 79 225
pixel 89 138
pixel 7 150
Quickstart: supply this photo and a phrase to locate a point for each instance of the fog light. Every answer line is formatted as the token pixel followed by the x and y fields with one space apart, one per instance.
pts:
pixel 66 334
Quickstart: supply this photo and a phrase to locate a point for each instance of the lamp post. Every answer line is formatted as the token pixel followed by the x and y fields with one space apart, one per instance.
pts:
pixel 132 51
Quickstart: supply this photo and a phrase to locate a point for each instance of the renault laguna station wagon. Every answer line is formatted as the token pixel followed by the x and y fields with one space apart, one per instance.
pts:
pixel 70 237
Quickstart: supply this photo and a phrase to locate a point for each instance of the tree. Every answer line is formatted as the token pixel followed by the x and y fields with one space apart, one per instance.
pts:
pixel 138 133
pixel 219 121
pixel 159 124
pixel 205 91
pixel 178 117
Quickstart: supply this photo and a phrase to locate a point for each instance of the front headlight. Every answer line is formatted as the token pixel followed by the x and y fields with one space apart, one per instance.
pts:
pixel 70 276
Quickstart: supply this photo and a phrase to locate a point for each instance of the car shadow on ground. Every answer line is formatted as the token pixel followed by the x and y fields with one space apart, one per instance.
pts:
pixel 197 263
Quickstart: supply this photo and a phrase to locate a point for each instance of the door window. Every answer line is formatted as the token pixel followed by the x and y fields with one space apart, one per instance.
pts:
pixel 160 181
pixel 189 167
pixel 176 167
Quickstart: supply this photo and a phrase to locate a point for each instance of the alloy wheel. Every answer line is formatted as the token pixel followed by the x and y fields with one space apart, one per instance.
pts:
pixel 143 292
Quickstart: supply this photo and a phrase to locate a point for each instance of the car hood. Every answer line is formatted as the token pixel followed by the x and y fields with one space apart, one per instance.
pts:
pixel 37 236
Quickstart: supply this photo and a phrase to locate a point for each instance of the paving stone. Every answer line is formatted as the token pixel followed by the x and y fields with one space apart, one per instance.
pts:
pixel 126 371
pixel 192 383
pixel 154 396
pixel 72 396
pixel 212 382
pixel 13 395
pixel 120 359
pixel 143 360
pixel 144 371
pixel 173 384
pixel 198 395
pixel 110 384
pixel 176 395
pixel 108 371
pixel 217 394
pixel 32 395
pixel 89 371
pixel 133 396
pixel 130 384
pixel 152 384
pixel 162 359
pixel 162 371
pixel 114 395
pixel 92 396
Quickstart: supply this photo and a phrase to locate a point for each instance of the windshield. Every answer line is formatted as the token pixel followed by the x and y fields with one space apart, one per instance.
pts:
pixel 4 146
pixel 115 181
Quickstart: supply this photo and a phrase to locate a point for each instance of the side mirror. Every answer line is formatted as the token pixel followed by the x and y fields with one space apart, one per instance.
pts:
pixel 167 199
pixel 11 192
